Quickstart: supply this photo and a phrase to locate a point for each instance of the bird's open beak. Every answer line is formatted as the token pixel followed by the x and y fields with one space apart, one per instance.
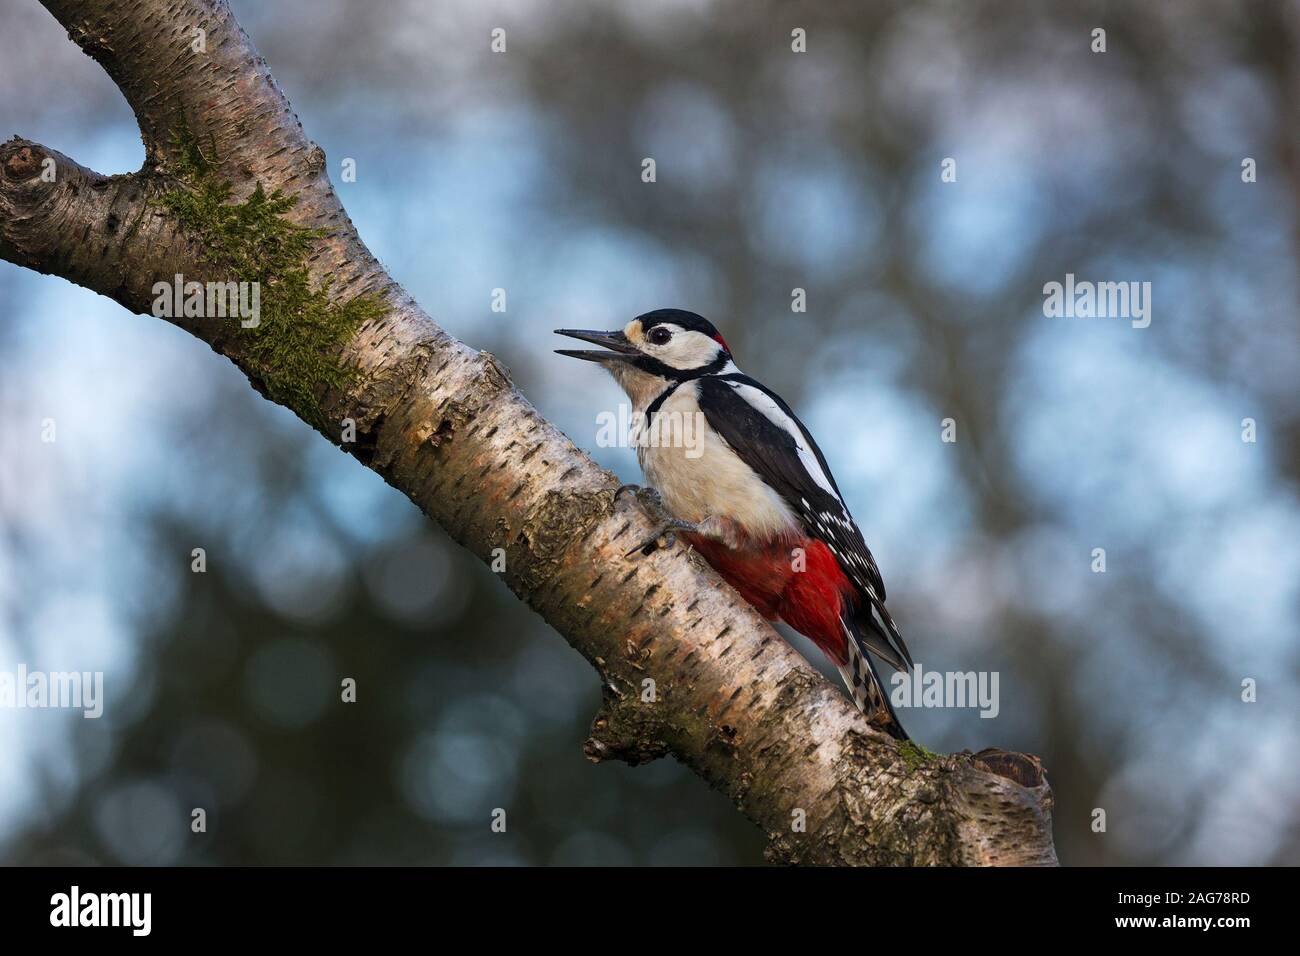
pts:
pixel 620 349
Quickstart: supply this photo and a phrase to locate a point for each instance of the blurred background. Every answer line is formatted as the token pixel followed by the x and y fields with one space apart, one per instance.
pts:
pixel 776 170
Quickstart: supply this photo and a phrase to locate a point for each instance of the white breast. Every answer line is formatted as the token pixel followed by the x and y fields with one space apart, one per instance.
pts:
pixel 699 476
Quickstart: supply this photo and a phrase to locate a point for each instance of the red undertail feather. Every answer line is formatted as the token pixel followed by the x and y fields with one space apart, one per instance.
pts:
pixel 813 600
pixel 809 600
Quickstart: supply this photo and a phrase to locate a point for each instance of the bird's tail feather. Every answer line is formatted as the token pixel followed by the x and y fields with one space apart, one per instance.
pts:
pixel 863 681
pixel 879 634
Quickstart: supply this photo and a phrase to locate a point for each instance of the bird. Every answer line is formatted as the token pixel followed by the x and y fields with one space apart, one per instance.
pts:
pixel 732 470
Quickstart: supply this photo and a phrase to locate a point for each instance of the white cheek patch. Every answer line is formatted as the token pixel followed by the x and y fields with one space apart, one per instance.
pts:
pixel 695 349
pixel 686 349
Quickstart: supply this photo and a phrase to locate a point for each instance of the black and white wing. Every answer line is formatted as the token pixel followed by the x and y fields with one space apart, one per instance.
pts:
pixel 760 428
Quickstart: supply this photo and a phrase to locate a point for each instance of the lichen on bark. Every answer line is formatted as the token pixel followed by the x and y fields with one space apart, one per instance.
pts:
pixel 294 349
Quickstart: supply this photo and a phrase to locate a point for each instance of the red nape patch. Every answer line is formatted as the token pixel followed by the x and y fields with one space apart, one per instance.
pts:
pixel 723 342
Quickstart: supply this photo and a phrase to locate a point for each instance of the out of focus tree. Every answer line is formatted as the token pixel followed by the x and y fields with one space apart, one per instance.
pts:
pixel 817 170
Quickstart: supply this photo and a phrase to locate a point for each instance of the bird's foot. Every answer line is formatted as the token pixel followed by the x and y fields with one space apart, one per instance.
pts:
pixel 652 503
pixel 664 537
pixel 648 498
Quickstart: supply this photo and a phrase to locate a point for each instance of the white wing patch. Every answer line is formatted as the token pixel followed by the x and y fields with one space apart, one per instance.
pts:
pixel 763 402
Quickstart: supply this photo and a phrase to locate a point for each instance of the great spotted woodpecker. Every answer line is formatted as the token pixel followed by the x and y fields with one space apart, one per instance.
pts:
pixel 753 495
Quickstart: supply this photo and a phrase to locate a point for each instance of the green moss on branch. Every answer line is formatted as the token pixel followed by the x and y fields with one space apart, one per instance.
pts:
pixel 915 755
pixel 295 349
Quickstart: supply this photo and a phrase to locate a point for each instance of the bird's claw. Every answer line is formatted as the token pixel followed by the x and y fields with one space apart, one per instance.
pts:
pixel 652 504
pixel 666 534
pixel 648 498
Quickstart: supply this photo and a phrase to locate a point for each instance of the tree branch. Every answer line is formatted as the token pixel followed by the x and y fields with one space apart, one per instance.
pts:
pixel 444 425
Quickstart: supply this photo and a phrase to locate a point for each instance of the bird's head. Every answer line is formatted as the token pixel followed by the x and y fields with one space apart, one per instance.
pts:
pixel 667 345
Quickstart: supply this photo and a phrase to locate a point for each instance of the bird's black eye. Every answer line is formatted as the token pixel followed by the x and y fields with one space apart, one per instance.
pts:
pixel 659 335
